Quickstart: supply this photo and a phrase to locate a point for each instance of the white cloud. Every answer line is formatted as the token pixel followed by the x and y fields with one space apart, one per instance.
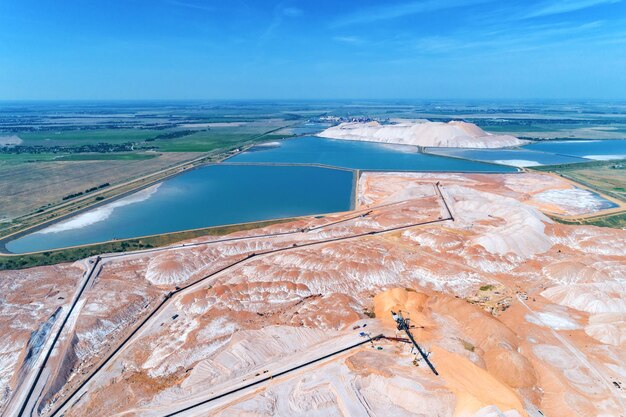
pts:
pixel 292 12
pixel 566 6
pixel 349 39
pixel 393 11
pixel 188 5
pixel 280 13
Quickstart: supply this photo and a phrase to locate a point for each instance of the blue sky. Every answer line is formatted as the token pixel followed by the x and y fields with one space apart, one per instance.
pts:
pixel 205 49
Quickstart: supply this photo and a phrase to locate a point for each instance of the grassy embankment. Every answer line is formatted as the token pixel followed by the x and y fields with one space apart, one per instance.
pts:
pixel 9 262
pixel 601 177
pixel 615 221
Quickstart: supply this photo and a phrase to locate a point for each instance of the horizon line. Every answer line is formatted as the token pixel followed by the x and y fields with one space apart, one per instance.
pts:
pixel 94 100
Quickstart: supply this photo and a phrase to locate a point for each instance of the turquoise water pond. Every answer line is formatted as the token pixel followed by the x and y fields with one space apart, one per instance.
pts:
pixel 549 152
pixel 358 155
pixel 226 194
pixel 515 157
pixel 592 149
pixel 208 196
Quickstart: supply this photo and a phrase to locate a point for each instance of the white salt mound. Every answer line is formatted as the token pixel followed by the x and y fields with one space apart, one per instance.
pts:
pixel 453 134
pixel 593 298
pixel 523 234
pixel 10 140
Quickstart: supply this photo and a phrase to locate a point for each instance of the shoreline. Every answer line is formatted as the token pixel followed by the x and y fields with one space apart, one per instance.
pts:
pixel 201 162
pixel 4 251
pixel 220 155
pixel 353 204
pixel 32 229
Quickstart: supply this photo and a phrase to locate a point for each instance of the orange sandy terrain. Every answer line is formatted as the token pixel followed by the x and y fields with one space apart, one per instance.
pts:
pixel 521 316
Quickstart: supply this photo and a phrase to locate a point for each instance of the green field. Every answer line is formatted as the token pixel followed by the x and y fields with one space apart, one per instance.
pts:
pixel 82 137
pixel 616 221
pixel 55 157
pixel 107 157
pixel 228 137
pixel 210 141
pixel 201 142
pixel 6 159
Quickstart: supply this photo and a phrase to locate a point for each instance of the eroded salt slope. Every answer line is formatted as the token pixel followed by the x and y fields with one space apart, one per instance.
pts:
pixel 31 304
pixel 488 293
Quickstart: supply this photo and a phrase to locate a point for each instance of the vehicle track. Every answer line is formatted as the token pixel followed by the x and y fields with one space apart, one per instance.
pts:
pixel 276 375
pixel 58 335
pixel 582 359
pixel 362 213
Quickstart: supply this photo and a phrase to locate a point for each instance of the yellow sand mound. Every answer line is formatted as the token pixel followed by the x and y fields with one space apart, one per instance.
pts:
pixel 410 303
pixel 474 387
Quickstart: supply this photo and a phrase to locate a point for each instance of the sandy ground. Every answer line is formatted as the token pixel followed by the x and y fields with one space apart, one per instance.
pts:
pixel 454 134
pixel 521 316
